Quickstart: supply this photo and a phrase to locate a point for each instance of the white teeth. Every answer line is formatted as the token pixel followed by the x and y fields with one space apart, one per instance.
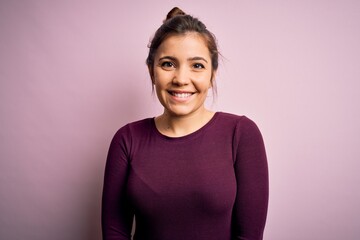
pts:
pixel 181 95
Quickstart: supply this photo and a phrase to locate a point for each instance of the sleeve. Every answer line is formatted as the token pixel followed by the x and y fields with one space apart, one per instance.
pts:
pixel 251 170
pixel 117 214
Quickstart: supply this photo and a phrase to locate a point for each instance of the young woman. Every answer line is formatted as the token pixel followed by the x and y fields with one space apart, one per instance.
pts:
pixel 189 173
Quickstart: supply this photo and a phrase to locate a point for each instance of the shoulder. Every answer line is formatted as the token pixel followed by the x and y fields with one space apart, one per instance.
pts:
pixel 242 126
pixel 239 121
pixel 127 135
pixel 248 142
pixel 135 128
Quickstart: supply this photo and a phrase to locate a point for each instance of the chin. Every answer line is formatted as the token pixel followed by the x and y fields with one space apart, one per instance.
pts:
pixel 178 113
pixel 182 112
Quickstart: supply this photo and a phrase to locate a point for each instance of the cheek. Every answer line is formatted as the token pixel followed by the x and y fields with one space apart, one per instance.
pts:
pixel 162 76
pixel 202 87
pixel 160 85
pixel 205 83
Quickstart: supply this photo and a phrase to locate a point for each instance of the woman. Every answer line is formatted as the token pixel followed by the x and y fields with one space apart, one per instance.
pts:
pixel 190 173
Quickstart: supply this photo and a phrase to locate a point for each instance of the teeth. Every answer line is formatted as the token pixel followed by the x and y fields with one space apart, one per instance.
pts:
pixel 181 95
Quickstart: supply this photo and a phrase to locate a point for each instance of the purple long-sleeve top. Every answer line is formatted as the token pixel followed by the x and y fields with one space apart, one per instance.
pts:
pixel 209 185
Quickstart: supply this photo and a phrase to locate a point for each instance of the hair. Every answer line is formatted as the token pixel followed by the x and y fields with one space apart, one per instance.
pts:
pixel 178 22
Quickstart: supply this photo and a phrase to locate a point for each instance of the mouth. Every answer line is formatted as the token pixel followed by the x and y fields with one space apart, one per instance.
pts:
pixel 180 94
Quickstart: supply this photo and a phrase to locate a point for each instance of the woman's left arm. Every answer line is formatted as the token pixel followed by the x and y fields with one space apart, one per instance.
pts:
pixel 251 169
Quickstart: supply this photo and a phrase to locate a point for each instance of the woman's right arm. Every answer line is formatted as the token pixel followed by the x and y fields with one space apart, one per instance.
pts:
pixel 117 214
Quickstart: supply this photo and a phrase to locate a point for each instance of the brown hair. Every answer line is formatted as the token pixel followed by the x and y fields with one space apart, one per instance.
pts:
pixel 178 22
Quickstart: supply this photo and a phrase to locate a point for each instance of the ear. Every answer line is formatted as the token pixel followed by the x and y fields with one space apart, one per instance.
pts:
pixel 212 79
pixel 151 73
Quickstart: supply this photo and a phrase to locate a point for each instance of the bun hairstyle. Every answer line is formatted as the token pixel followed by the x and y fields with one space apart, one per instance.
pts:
pixel 178 22
pixel 174 12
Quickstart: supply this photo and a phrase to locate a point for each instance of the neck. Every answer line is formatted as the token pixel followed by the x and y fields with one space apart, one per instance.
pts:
pixel 178 126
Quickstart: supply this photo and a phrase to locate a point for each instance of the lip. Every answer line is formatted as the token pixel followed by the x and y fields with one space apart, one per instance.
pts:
pixel 179 91
pixel 180 95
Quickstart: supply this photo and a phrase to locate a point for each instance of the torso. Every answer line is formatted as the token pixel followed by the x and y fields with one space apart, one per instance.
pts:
pixel 183 185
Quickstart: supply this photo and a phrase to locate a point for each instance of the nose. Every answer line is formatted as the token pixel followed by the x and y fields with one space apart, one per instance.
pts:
pixel 181 76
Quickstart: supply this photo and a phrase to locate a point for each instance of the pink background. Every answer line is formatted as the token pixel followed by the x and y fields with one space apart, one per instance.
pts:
pixel 73 72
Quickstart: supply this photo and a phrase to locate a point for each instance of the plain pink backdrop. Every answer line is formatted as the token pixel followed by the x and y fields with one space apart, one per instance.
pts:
pixel 73 72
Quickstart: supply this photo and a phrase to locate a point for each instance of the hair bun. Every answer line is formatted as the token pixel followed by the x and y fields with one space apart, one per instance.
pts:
pixel 174 12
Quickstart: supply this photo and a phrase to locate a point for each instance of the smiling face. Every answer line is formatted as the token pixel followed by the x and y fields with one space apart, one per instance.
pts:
pixel 182 74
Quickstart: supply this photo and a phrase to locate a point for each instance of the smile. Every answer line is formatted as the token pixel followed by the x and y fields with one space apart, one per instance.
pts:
pixel 181 94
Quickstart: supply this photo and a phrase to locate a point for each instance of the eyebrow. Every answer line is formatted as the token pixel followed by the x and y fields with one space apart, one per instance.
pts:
pixel 189 59
pixel 197 58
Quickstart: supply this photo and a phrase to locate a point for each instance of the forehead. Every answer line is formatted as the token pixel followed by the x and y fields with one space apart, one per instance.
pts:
pixel 187 45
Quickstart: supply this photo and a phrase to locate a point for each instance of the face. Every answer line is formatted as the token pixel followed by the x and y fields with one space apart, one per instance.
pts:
pixel 182 74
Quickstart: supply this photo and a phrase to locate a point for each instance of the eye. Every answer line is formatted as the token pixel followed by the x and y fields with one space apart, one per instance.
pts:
pixel 198 66
pixel 167 64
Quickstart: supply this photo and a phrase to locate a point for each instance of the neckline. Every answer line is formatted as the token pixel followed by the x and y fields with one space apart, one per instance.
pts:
pixel 188 136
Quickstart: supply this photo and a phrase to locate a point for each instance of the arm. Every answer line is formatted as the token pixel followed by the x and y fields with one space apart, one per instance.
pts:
pixel 117 215
pixel 250 209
